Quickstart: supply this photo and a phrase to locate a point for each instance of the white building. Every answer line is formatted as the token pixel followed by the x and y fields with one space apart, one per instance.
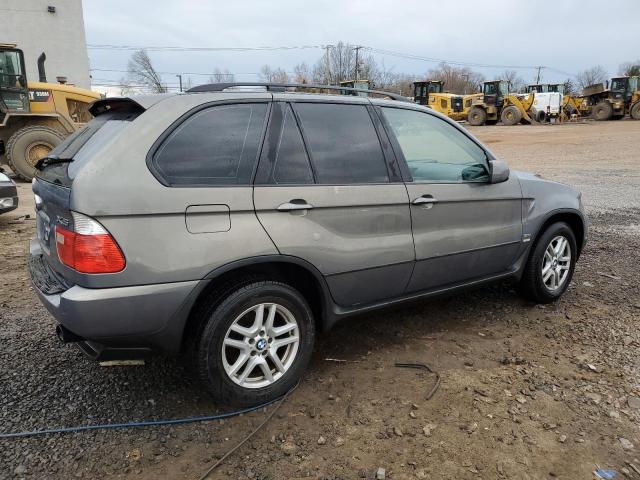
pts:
pixel 55 27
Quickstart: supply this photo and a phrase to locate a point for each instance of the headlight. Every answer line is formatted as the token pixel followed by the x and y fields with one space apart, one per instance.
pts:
pixel 4 178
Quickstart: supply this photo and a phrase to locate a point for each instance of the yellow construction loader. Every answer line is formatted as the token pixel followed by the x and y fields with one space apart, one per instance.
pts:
pixel 622 97
pixel 431 94
pixel 35 116
pixel 496 103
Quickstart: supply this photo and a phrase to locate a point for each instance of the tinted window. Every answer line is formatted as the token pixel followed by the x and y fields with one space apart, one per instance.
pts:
pixel 291 162
pixel 216 146
pixel 343 143
pixel 436 151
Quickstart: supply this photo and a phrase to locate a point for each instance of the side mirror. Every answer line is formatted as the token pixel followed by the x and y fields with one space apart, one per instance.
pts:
pixel 499 171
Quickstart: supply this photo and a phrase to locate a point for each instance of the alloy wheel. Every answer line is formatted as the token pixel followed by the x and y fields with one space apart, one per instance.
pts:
pixel 261 345
pixel 556 263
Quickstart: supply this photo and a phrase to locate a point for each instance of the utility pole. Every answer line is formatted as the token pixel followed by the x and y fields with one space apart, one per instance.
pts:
pixel 327 67
pixel 357 49
pixel 466 81
pixel 180 78
pixel 538 76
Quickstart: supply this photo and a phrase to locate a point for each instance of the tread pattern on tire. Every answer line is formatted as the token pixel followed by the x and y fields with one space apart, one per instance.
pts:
pixel 225 395
pixel 16 136
pixel 529 286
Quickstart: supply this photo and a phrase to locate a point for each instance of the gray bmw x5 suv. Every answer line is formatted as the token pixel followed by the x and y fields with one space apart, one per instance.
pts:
pixel 234 225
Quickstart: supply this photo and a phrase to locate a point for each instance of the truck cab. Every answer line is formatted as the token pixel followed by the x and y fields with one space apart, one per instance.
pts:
pixel 495 91
pixel 14 94
pixel 421 90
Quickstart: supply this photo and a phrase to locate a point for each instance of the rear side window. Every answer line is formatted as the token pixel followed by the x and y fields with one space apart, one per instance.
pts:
pixel 284 157
pixel 215 146
pixel 343 143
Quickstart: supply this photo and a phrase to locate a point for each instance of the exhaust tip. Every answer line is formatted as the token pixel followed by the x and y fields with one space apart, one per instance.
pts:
pixel 67 336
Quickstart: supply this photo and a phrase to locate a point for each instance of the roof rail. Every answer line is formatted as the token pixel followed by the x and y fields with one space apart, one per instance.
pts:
pixel 281 87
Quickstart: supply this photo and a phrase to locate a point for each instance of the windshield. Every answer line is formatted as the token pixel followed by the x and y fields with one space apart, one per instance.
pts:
pixel 65 161
pixel 619 84
pixel 490 88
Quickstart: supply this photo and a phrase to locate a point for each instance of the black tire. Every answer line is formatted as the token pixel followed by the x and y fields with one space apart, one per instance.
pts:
pixel 540 116
pixel 217 320
pixel 602 111
pixel 532 285
pixel 510 115
pixel 26 144
pixel 477 116
pixel 634 111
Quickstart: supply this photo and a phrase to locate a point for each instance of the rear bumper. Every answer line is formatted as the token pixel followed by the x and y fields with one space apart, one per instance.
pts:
pixel 136 318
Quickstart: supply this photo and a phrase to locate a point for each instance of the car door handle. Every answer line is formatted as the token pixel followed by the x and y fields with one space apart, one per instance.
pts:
pixel 294 205
pixel 425 200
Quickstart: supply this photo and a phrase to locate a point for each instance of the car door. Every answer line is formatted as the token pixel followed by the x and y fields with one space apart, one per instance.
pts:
pixel 328 191
pixel 464 227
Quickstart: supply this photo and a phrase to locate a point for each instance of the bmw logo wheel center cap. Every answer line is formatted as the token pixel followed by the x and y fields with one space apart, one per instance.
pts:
pixel 261 344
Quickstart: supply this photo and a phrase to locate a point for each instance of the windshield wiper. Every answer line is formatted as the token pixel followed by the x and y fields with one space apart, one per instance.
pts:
pixel 51 160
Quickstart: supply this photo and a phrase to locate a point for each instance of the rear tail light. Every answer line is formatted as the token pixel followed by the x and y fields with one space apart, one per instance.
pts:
pixel 89 248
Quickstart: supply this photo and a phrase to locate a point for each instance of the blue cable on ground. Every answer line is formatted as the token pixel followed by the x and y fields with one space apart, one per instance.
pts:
pixel 148 423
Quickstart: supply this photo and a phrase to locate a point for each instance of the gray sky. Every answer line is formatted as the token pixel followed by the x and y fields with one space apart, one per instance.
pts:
pixel 565 35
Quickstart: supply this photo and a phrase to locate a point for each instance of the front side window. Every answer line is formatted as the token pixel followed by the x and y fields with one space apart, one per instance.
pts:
pixel 435 151
pixel 343 143
pixel 215 146
pixel 10 68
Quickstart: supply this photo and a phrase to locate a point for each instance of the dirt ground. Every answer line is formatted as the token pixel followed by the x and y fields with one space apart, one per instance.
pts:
pixel 527 391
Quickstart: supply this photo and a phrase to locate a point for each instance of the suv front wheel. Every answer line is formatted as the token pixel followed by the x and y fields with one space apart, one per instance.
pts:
pixel 255 344
pixel 550 266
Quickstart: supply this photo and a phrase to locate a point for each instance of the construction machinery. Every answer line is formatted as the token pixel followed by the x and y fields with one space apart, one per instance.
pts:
pixel 35 116
pixel 361 84
pixel 431 94
pixel 496 103
pixel 546 88
pixel 622 97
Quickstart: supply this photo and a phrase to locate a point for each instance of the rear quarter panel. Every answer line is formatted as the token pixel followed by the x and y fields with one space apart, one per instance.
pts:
pixel 147 219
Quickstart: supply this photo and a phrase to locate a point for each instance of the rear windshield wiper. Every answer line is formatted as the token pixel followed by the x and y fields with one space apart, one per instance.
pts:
pixel 51 160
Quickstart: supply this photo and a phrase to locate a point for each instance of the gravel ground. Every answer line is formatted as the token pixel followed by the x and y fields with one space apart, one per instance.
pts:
pixel 527 392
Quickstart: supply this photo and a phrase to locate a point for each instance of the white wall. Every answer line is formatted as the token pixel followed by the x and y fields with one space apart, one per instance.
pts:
pixel 60 35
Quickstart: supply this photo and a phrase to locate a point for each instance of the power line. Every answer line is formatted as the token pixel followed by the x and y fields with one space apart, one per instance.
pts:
pixel 197 49
pixel 379 51
pixel 443 60
pixel 182 73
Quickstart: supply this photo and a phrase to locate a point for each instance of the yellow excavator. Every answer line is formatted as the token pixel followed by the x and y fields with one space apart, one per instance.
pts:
pixel 431 94
pixel 35 116
pixel 496 103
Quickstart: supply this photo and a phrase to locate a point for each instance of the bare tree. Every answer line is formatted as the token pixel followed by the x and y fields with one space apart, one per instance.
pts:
pixel 591 76
pixel 629 69
pixel 142 72
pixel 302 74
pixel 218 76
pixel 569 87
pixel 339 64
pixel 271 75
pixel 456 79
pixel 516 83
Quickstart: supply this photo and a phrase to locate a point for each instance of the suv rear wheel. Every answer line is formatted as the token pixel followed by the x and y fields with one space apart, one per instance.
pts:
pixel 255 344
pixel 550 266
